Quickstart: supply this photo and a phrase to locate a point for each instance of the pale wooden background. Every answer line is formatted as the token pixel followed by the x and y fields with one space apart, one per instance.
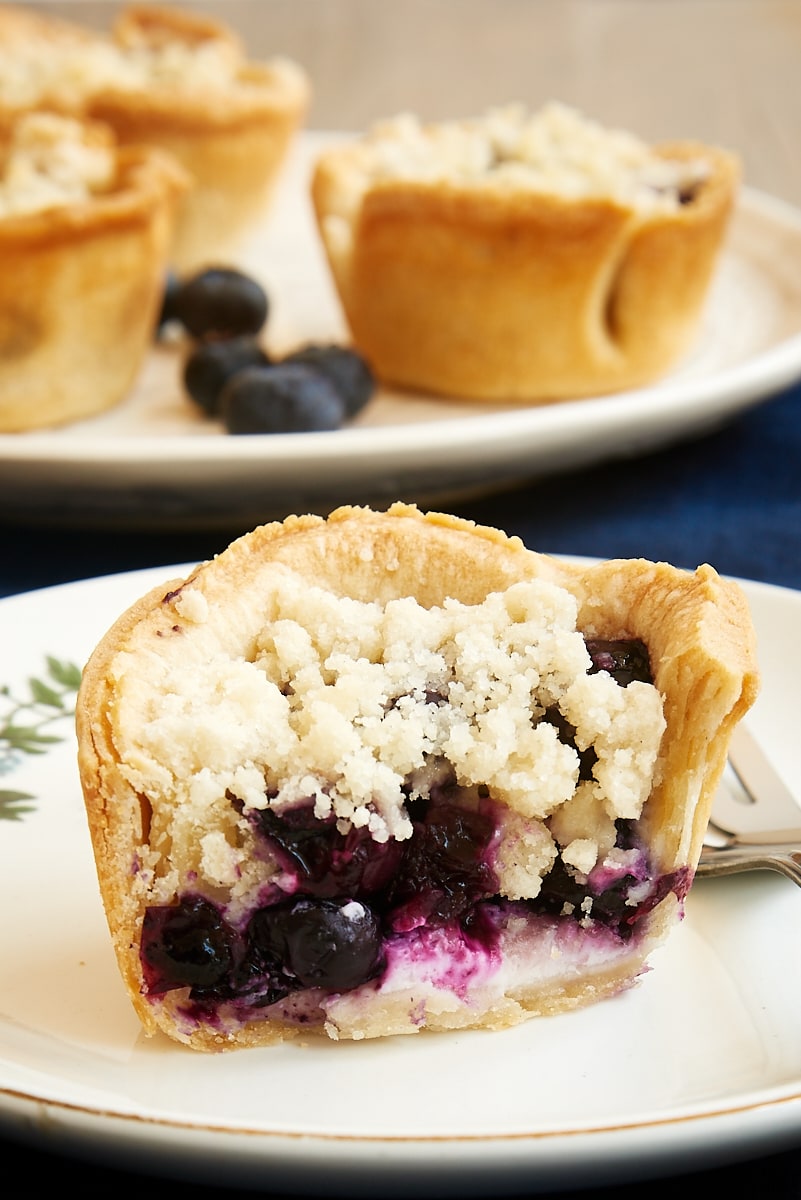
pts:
pixel 725 71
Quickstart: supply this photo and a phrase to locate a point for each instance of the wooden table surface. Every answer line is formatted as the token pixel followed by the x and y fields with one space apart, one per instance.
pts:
pixel 723 71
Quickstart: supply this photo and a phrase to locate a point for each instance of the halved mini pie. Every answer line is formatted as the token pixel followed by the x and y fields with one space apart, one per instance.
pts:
pixel 392 772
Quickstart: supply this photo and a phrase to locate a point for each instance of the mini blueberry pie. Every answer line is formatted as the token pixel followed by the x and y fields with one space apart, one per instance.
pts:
pixel 393 772
pixel 519 256
pixel 85 230
pixel 174 79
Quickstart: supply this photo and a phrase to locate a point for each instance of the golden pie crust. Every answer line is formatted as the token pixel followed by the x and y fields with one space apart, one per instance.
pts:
pixel 80 292
pixel 501 293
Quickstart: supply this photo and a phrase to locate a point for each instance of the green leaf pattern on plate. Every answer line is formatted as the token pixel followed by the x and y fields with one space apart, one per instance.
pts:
pixel 29 725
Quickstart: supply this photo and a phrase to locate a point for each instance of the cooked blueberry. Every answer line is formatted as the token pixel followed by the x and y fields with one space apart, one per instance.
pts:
pixel 445 870
pixel 566 732
pixel 564 889
pixel 259 978
pixel 335 945
pixel 626 835
pixel 186 945
pixel 280 399
pixel 211 364
pixel 436 875
pixel 329 863
pixel 561 888
pixel 346 369
pixel 626 659
pixel 562 885
pixel 221 302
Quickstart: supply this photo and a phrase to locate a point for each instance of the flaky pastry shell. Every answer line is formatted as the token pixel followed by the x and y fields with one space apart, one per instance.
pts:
pixel 233 144
pixel 80 293
pixel 232 140
pixel 505 294
pixel 701 644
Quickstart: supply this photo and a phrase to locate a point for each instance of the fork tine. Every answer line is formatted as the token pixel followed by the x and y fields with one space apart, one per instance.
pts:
pixel 753 798
pixel 735 859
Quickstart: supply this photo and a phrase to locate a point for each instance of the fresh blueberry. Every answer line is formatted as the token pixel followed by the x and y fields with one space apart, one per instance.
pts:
pixel 346 369
pixel 221 302
pixel 280 399
pixel 211 364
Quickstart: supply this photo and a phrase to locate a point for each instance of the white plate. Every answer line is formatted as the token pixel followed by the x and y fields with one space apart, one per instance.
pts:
pixel 154 459
pixel 698 1065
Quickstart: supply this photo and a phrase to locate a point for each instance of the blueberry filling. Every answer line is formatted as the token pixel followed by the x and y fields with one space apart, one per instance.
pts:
pixel 326 862
pixel 285 947
pixel 348 896
pixel 444 870
pixel 567 734
pixel 625 660
pixel 563 892
pixel 351 894
pixel 186 945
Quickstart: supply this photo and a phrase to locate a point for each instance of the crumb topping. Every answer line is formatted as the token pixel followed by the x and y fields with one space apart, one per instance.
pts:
pixel 357 707
pixel 554 150
pixel 51 161
pixel 38 70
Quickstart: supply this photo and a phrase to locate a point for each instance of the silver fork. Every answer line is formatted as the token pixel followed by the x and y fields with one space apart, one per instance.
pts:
pixel 756 822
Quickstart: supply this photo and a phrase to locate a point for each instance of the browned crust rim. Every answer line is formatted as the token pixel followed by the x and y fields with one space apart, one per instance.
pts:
pixel 260 93
pixel 143 178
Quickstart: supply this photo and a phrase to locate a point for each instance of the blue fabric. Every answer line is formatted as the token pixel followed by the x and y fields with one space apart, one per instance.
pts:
pixel 731 498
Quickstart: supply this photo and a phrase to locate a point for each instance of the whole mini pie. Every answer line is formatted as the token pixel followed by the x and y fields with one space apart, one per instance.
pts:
pixel 392 772
pixel 171 78
pixel 85 230
pixel 519 256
